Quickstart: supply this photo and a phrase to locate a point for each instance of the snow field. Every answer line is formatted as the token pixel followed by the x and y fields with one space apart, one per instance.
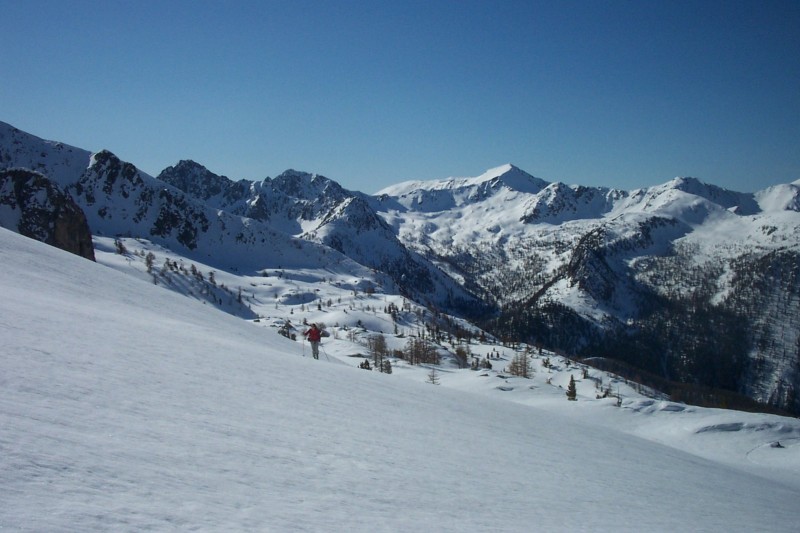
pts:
pixel 126 407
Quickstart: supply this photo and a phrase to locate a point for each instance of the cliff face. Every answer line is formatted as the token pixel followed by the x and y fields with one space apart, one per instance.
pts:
pixel 36 207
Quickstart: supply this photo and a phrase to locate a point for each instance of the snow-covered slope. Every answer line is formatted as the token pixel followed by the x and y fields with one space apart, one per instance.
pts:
pixel 780 198
pixel 127 407
pixel 58 161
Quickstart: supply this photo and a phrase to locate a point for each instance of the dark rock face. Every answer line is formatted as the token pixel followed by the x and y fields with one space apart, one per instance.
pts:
pixel 197 181
pixel 35 207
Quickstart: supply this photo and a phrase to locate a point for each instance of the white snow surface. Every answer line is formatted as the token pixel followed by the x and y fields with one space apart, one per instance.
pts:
pixel 128 407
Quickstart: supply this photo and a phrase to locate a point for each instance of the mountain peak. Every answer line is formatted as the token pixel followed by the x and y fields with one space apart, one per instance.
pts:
pixel 735 202
pixel 190 164
pixel 193 178
pixel 507 175
pixel 502 169
pixel 307 186
pixel 514 178
pixel 294 174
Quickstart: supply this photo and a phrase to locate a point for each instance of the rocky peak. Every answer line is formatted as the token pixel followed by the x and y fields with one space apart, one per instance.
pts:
pixel 199 182
pixel 308 187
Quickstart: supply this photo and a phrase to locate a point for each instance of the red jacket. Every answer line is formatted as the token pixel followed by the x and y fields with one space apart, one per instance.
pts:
pixel 313 334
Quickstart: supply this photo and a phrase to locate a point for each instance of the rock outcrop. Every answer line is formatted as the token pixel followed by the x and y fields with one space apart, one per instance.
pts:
pixel 36 207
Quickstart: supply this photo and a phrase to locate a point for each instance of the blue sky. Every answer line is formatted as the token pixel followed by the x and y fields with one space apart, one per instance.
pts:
pixel 369 93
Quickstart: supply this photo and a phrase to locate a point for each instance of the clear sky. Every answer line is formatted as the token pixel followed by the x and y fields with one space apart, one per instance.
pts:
pixel 621 94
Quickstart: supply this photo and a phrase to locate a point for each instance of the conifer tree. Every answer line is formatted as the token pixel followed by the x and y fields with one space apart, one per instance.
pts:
pixel 572 391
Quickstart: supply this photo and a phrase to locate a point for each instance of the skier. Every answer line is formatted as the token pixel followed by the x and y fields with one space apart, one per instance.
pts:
pixel 314 336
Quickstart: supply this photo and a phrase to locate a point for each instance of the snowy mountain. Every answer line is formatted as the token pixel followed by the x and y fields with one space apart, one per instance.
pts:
pixel 119 200
pixel 142 409
pixel 688 281
pixel 313 207
pixel 296 220
pixel 685 282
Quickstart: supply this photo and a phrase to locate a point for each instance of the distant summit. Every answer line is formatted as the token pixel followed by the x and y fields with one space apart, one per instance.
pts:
pixel 513 178
pixel 505 175
pixel 196 180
